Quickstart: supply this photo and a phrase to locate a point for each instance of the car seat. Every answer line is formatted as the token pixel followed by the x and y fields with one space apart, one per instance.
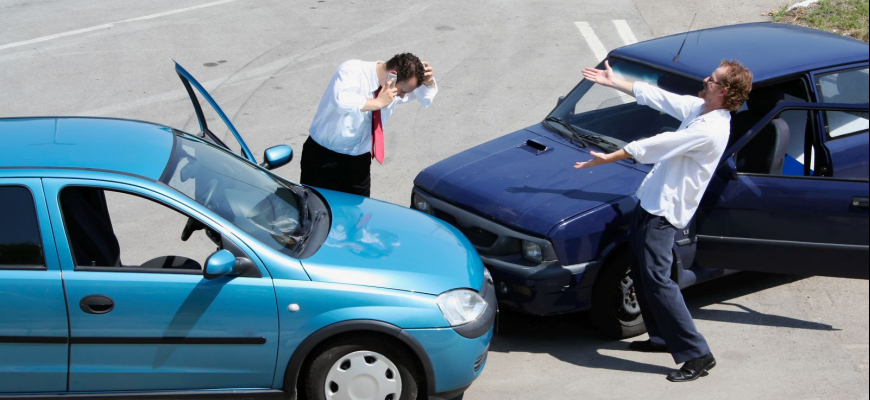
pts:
pixel 89 228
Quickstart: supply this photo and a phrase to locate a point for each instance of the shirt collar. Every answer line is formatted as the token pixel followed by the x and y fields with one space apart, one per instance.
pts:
pixel 373 75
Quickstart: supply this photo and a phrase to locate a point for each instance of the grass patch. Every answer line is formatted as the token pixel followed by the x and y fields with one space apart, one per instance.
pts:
pixel 843 17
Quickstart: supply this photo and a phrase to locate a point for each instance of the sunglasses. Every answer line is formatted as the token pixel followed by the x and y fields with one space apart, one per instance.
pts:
pixel 711 80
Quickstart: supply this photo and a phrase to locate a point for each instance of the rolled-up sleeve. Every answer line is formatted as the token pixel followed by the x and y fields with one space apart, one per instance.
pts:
pixel 347 92
pixel 679 107
pixel 689 142
pixel 424 94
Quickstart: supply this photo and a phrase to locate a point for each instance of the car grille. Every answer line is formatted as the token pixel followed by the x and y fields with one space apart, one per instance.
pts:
pixel 478 237
pixel 478 364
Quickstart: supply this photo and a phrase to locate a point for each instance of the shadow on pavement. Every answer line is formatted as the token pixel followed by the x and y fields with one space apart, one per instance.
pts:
pixel 571 339
pixel 721 291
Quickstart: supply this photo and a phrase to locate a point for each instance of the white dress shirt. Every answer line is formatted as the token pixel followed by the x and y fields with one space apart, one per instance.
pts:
pixel 685 160
pixel 340 124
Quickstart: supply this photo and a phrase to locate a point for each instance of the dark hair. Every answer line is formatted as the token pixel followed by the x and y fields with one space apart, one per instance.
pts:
pixel 406 66
pixel 738 80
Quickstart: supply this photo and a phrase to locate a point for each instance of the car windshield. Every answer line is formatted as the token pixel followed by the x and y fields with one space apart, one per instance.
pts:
pixel 251 199
pixel 601 112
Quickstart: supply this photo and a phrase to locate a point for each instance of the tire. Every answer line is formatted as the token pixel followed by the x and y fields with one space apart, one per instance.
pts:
pixel 325 380
pixel 615 311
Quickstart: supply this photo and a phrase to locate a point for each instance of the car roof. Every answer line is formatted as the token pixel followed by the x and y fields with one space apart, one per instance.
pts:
pixel 118 145
pixel 769 50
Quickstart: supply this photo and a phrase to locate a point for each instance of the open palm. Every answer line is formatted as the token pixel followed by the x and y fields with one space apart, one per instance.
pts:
pixel 601 77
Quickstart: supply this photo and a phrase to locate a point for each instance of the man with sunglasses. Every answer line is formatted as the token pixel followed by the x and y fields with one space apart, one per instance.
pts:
pixel 685 160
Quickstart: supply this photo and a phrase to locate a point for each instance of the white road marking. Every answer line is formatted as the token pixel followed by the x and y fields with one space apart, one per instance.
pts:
pixel 109 25
pixel 624 31
pixel 265 71
pixel 598 49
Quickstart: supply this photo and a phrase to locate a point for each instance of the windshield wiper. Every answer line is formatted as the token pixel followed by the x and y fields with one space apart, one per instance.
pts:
pixel 304 207
pixel 575 136
pixel 601 143
pixel 302 239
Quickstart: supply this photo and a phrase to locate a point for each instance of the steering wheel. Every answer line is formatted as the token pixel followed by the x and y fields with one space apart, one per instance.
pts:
pixel 193 225
pixel 209 192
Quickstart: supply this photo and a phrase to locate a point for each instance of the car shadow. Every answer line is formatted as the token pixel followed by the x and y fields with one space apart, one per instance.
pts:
pixel 571 339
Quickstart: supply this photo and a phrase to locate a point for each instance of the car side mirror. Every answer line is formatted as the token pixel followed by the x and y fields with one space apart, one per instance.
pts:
pixel 223 262
pixel 559 102
pixel 728 170
pixel 277 156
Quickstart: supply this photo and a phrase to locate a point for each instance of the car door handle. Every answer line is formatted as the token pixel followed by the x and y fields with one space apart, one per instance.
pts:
pixel 96 304
pixel 861 203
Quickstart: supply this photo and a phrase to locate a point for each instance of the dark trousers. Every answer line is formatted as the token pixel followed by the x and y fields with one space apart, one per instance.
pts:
pixel 665 314
pixel 326 169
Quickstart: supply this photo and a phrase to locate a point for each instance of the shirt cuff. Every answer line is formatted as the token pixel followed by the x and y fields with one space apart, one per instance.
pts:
pixel 639 88
pixel 426 89
pixel 634 150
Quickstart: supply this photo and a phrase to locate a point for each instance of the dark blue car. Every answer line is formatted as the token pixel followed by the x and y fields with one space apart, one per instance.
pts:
pixel 790 195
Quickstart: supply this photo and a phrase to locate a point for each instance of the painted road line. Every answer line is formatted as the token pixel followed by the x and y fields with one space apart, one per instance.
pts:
pixel 109 25
pixel 598 49
pixel 266 71
pixel 624 31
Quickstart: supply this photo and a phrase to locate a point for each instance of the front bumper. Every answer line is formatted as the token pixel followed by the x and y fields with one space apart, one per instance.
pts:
pixel 456 360
pixel 542 289
pixel 548 289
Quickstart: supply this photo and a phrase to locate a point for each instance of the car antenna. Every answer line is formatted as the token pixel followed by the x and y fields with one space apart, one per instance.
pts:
pixel 677 58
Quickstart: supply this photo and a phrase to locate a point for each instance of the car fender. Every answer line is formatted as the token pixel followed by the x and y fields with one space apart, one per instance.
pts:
pixel 294 367
pixel 311 312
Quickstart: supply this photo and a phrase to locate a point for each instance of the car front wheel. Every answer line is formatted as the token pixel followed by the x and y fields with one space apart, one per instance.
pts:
pixel 363 368
pixel 615 310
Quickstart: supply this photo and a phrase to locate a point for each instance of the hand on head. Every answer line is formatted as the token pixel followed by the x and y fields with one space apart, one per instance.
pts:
pixel 428 73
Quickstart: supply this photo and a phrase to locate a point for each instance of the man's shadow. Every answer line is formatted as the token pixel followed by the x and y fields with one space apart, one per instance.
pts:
pixel 571 339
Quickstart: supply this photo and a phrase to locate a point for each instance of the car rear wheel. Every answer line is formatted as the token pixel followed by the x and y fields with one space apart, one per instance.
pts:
pixel 615 310
pixel 363 368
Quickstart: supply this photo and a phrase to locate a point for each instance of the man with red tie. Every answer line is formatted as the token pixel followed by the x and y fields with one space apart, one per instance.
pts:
pixel 348 128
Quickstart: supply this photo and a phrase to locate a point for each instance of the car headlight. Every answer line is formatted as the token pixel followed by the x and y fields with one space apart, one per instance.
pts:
pixel 420 203
pixel 532 252
pixel 461 306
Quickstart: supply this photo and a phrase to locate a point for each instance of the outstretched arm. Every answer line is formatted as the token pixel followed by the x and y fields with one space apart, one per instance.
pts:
pixel 601 158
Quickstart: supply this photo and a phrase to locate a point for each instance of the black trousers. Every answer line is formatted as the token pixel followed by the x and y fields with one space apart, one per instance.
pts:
pixel 665 314
pixel 326 169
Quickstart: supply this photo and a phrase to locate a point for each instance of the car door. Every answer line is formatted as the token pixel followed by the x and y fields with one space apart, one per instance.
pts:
pixel 789 215
pixel 33 321
pixel 142 314
pixel 214 124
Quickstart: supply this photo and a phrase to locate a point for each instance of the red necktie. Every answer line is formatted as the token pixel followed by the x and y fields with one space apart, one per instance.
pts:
pixel 377 134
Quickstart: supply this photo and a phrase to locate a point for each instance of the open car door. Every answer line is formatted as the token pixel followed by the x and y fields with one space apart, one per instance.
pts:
pixel 215 126
pixel 776 204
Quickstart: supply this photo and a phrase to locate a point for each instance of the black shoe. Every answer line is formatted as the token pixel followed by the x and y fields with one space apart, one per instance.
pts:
pixel 693 369
pixel 648 346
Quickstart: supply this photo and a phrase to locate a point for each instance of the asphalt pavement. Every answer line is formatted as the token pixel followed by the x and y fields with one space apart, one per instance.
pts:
pixel 500 66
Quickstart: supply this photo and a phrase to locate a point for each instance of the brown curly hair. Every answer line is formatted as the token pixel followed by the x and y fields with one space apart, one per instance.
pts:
pixel 407 66
pixel 738 80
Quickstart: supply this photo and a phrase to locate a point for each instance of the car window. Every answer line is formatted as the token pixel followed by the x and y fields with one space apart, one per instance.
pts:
pixel 246 196
pixel 20 244
pixel 616 116
pixel 111 229
pixel 849 87
pixel 780 147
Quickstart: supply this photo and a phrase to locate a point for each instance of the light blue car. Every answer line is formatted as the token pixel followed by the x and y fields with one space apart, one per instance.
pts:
pixel 273 290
